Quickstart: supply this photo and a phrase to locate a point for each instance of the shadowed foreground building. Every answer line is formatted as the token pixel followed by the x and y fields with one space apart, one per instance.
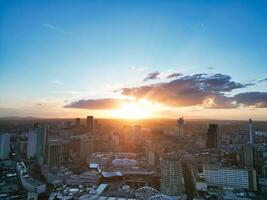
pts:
pixel 4 145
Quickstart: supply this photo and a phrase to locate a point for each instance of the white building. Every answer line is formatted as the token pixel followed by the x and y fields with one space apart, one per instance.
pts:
pixel 4 145
pixel 32 142
pixel 230 178
pixel 171 179
pixel 29 183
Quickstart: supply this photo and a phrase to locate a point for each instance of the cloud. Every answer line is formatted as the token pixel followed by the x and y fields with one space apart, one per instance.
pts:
pixel 57 82
pixel 210 68
pixel 174 75
pixel 207 91
pixel 186 91
pixel 257 99
pixel 97 104
pixel 139 69
pixel 152 76
pixel 54 28
pixel 262 80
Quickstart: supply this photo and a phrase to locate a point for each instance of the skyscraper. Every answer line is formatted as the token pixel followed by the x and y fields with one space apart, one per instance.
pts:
pixel 86 148
pixel 249 155
pixel 249 150
pixel 250 131
pixel 171 179
pixel 54 154
pixel 212 136
pixel 90 123
pixel 4 145
pixel 42 135
pixel 32 143
pixel 180 123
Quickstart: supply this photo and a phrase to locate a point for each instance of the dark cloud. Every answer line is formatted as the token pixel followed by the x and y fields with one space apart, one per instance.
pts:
pixel 219 101
pixel 257 99
pixel 199 89
pixel 151 76
pixel 174 75
pixel 97 104
pixel 187 90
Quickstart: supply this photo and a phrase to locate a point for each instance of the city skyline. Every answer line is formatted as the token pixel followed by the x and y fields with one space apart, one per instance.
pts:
pixel 131 59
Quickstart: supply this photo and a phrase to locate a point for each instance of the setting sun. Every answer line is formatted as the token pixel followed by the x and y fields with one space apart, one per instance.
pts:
pixel 135 110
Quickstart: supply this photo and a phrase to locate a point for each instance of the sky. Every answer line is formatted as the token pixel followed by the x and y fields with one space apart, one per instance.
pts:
pixel 133 59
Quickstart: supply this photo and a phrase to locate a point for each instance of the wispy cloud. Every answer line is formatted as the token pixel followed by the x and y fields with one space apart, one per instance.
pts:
pixel 54 28
pixel 210 68
pixel 152 76
pixel 140 69
pixel 56 82
pixel 174 75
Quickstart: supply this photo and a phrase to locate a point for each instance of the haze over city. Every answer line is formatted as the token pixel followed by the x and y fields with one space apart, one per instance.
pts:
pixel 133 100
pixel 133 59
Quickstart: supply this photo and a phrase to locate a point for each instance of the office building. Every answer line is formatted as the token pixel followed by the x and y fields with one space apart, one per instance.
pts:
pixel 171 179
pixel 90 123
pixel 78 123
pixel 23 144
pixel 230 178
pixel 249 150
pixel 212 136
pixel 54 153
pixel 4 145
pixel 32 142
pixel 250 132
pixel 249 155
pixel 180 123
pixel 42 135
pixel 86 148
pixel 132 134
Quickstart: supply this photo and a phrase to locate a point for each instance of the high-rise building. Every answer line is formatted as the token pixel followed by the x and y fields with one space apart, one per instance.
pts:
pixel 212 136
pixel 132 134
pixel 90 123
pixel 231 178
pixel 249 150
pixel 86 147
pixel 78 123
pixel 180 123
pixel 171 180
pixel 42 135
pixel 32 142
pixel 54 154
pixel 250 131
pixel 4 145
pixel 249 155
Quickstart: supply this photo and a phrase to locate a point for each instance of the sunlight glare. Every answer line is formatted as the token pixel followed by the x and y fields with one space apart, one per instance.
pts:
pixel 135 110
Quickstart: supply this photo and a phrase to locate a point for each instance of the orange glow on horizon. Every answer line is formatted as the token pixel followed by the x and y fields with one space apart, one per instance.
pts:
pixel 140 109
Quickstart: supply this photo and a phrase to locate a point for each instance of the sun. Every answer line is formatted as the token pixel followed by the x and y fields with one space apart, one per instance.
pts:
pixel 139 109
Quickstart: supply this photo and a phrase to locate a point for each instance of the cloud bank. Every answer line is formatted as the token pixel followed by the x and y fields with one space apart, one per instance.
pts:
pixel 208 91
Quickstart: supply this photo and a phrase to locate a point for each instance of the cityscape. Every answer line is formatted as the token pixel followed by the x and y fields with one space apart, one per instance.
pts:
pixel 133 100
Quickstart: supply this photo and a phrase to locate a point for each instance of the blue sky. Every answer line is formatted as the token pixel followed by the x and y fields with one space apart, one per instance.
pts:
pixel 62 51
